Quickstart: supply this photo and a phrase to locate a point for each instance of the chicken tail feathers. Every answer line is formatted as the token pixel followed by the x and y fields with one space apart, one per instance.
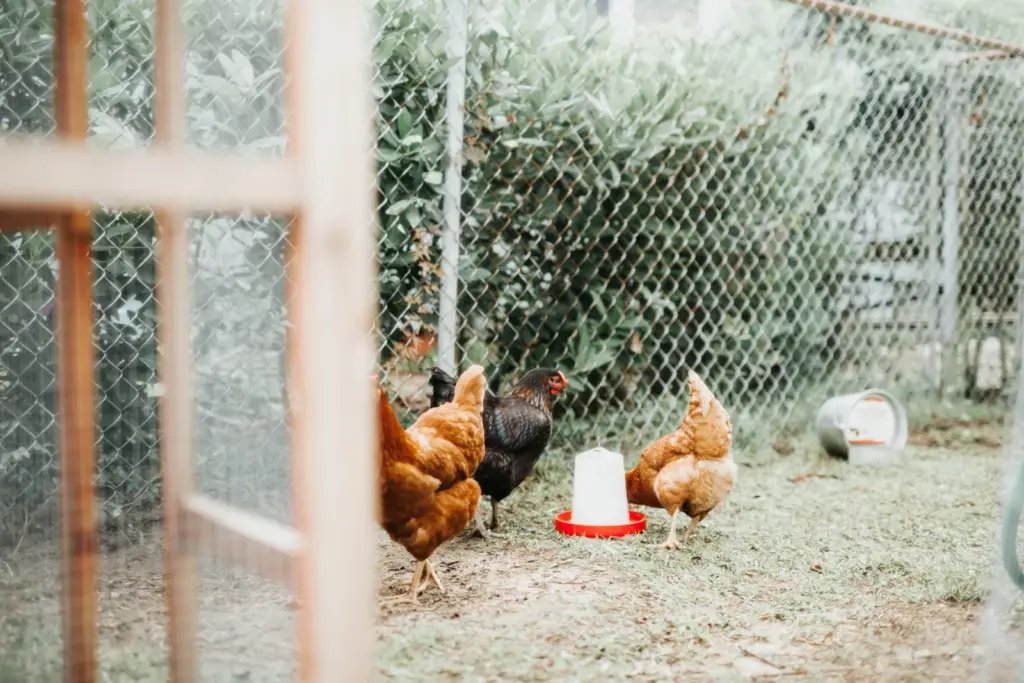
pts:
pixel 470 389
pixel 441 379
pixel 394 442
pixel 700 396
pixel 442 387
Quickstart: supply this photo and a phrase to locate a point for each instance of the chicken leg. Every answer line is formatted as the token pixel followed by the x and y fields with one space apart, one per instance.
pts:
pixel 494 514
pixel 432 575
pixel 481 526
pixel 413 596
pixel 693 525
pixel 672 543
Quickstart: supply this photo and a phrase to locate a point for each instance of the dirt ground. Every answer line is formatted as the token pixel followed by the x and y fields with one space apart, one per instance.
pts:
pixel 813 571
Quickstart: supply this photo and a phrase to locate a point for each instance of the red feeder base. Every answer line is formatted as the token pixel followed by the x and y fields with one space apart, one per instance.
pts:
pixel 637 523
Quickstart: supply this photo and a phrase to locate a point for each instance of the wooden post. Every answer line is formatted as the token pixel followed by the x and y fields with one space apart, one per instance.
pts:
pixel 41 174
pixel 75 364
pixel 177 404
pixel 328 179
pixel 330 353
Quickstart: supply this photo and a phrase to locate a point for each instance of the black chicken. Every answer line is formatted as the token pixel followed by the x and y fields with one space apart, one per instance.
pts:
pixel 442 387
pixel 517 429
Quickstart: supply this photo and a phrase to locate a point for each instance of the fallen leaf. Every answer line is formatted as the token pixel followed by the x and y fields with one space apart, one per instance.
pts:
pixel 812 475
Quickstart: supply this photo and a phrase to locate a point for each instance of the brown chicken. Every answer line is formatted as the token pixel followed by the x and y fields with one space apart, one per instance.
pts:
pixel 428 494
pixel 690 469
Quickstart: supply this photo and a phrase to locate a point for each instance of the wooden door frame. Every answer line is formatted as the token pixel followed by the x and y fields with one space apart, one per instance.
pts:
pixel 325 182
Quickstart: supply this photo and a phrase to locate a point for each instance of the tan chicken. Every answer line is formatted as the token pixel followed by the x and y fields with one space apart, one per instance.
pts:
pixel 428 493
pixel 690 469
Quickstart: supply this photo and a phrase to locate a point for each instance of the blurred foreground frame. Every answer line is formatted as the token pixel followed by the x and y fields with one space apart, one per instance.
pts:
pixel 325 183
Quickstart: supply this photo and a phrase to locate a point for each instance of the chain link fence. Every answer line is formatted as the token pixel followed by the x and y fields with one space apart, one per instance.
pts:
pixel 794 203
pixel 817 205
pixel 235 86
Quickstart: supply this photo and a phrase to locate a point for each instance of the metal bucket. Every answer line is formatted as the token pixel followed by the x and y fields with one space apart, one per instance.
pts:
pixel 867 427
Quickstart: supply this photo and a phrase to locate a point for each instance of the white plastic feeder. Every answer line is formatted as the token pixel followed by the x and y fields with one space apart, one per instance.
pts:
pixel 599 489
pixel 599 505
pixel 868 427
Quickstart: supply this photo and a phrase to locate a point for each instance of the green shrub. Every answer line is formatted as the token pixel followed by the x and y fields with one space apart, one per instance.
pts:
pixel 631 212
pixel 627 211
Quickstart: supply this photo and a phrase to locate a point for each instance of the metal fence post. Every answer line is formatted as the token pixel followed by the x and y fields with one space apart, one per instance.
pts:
pixel 933 237
pixel 448 312
pixel 950 225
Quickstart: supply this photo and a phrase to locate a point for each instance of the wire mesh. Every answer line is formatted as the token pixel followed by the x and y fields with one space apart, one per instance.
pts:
pixel 795 204
pixel 795 224
pixel 235 90
pixel 234 85
pixel 28 462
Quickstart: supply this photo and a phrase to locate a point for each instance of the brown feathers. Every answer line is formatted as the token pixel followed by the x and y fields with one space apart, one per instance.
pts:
pixel 690 469
pixel 427 492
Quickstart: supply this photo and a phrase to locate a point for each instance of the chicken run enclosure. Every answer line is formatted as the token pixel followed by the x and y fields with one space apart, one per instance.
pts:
pixel 795 198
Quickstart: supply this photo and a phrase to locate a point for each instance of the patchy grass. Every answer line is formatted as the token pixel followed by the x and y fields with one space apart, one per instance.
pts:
pixel 813 570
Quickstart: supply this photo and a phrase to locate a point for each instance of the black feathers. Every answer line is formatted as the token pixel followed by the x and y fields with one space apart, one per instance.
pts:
pixel 442 387
pixel 517 427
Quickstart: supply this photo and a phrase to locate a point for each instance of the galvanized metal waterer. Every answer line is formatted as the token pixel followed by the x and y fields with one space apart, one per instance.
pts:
pixel 867 419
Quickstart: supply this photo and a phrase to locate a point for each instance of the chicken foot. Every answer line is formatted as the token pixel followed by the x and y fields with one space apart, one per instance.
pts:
pixel 424 572
pixel 673 543
pixel 481 527
pixel 432 575
pixel 693 525
pixel 413 596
